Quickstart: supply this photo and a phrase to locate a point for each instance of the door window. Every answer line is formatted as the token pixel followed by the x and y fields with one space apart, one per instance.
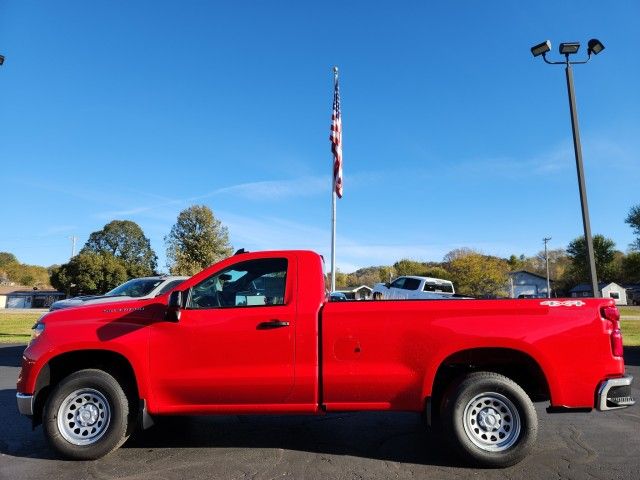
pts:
pixel 399 283
pixel 255 283
pixel 411 284
pixel 169 286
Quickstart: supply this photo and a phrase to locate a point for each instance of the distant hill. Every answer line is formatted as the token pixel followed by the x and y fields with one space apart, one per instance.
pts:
pixel 16 273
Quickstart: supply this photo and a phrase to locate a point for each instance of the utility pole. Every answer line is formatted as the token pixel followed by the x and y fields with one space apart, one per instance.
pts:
pixel 73 239
pixel 546 260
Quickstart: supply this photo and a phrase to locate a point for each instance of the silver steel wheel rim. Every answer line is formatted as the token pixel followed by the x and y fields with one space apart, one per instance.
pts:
pixel 84 416
pixel 492 422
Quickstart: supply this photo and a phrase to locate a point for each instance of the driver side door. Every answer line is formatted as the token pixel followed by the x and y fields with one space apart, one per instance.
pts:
pixel 234 342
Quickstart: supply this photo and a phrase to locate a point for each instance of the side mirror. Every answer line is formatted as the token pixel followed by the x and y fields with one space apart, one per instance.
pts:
pixel 387 284
pixel 174 306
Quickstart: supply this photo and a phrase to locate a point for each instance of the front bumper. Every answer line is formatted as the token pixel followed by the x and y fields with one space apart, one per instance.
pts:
pixel 25 404
pixel 615 393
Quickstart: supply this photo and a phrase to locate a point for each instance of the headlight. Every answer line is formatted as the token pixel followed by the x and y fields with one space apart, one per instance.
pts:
pixel 37 329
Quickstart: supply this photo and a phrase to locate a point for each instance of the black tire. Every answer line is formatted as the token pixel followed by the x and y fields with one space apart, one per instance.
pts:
pixel 108 409
pixel 489 420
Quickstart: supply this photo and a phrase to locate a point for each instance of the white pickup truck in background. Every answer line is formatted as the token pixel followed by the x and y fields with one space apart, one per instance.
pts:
pixel 412 287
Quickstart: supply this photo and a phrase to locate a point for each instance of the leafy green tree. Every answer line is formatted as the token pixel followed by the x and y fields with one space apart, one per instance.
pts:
pixel 517 263
pixel 197 240
pixel 456 253
pixel 366 276
pixel 27 279
pixel 633 219
pixel 29 275
pixel 631 268
pixel 126 241
pixel 476 274
pixel 604 252
pixel 7 258
pixel 386 274
pixel 343 280
pixel 559 261
pixel 89 273
pixel 409 267
pixel 436 271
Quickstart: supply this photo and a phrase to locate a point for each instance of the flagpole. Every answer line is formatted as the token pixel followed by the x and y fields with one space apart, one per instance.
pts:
pixel 333 207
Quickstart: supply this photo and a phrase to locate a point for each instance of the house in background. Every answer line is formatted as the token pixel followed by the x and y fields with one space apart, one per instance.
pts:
pixel 525 284
pixel 607 290
pixel 26 297
pixel 359 293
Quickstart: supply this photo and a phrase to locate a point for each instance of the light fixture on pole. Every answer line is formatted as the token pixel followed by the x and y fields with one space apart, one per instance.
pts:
pixel 594 46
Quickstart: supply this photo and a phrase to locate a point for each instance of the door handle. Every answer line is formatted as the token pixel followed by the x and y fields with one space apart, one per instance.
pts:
pixel 272 324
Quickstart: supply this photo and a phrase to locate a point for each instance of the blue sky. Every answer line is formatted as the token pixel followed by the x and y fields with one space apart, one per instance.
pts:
pixel 453 134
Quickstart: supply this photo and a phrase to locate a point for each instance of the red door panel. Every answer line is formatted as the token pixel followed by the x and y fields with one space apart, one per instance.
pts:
pixel 226 355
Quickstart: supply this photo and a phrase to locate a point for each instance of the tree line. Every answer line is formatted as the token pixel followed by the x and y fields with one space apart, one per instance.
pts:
pixel 476 274
pixel 120 251
pixel 12 271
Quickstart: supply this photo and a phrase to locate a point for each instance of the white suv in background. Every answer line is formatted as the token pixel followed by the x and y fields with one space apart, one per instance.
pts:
pixel 412 287
pixel 146 287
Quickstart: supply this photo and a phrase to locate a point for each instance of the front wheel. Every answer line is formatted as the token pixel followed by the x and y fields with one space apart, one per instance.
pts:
pixel 489 419
pixel 86 415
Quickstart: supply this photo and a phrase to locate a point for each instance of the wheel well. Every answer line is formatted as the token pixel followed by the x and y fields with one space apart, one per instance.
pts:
pixel 65 364
pixel 517 365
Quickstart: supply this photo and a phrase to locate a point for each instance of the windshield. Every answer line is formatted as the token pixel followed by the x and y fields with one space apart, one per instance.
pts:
pixel 135 288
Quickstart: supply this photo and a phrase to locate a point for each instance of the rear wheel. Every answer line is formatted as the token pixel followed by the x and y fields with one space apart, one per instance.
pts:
pixel 489 419
pixel 86 416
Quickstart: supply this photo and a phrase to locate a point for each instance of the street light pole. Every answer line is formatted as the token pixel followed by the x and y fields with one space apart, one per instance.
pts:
pixel 595 46
pixel 577 148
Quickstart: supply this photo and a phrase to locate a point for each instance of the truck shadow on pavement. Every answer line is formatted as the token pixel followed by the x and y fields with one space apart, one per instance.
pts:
pixel 11 356
pixel 16 437
pixel 396 437
pixel 632 356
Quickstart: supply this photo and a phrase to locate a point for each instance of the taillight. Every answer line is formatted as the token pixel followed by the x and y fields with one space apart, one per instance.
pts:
pixel 613 315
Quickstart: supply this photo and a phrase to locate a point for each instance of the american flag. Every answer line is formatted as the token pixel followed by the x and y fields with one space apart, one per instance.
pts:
pixel 336 140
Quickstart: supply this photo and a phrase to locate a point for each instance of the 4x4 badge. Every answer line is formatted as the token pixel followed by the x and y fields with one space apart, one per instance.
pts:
pixel 564 303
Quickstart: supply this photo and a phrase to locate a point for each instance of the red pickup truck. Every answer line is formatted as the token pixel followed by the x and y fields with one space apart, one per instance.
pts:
pixel 256 334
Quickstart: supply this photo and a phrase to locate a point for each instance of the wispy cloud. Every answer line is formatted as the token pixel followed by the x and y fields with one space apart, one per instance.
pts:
pixel 269 190
pixel 275 190
pixel 273 233
pixel 597 151
pixel 553 160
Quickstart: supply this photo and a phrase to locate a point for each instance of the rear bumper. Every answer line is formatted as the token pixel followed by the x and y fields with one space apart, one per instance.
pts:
pixel 615 393
pixel 25 403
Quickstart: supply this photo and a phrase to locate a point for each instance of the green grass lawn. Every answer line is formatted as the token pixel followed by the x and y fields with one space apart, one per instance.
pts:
pixel 630 325
pixel 630 333
pixel 626 312
pixel 16 327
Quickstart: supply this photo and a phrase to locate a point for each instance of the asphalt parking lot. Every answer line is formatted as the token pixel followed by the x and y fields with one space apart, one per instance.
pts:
pixel 340 446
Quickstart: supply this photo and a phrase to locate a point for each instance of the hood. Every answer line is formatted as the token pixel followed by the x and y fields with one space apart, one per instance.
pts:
pixel 110 309
pixel 86 300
